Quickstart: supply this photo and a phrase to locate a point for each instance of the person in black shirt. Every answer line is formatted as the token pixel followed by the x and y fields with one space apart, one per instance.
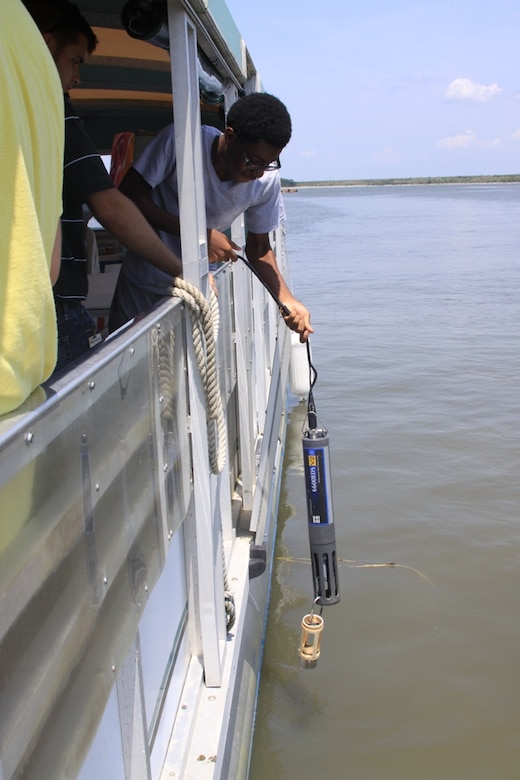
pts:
pixel 70 39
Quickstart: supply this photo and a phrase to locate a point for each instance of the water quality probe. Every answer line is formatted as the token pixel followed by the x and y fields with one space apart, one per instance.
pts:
pixel 320 515
pixel 316 465
pixel 322 535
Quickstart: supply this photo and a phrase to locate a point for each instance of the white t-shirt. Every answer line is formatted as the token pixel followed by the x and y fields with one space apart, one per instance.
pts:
pixel 260 199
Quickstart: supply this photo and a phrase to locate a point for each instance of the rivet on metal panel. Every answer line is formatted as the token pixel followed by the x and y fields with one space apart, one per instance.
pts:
pixel 161 399
pixel 132 351
pixel 29 437
pixel 165 468
pixel 105 580
pixel 97 486
pixel 113 667
pixel 91 385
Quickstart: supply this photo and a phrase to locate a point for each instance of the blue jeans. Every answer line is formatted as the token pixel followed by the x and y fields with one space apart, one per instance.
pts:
pixel 75 328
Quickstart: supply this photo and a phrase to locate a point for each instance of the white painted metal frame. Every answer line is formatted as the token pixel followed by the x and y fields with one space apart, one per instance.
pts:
pixel 206 591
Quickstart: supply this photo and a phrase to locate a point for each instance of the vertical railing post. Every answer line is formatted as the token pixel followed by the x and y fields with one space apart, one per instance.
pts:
pixel 202 537
pixel 245 379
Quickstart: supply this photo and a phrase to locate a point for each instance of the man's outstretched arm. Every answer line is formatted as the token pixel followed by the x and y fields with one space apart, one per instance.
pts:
pixel 121 217
pixel 262 257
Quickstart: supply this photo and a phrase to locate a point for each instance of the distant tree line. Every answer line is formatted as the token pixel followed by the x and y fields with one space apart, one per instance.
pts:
pixel 512 177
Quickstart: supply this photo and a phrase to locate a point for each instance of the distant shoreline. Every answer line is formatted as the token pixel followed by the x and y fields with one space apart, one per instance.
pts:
pixel 513 178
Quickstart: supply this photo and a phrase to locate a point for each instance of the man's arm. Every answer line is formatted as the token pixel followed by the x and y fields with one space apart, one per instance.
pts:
pixel 135 187
pixel 126 222
pixel 260 254
pixel 54 269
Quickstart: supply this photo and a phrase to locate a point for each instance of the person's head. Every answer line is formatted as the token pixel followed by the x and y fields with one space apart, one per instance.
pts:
pixel 258 127
pixel 67 34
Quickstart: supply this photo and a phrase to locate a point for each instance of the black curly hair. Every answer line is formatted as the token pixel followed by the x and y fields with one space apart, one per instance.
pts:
pixel 260 117
pixel 63 19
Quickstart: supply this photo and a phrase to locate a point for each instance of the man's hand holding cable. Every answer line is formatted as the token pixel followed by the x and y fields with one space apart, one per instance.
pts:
pixel 299 318
pixel 220 247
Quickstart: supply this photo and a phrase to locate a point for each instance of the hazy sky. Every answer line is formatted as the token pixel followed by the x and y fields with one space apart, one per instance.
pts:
pixel 391 88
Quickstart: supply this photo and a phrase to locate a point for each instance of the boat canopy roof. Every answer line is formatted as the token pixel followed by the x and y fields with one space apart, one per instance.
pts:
pixel 126 82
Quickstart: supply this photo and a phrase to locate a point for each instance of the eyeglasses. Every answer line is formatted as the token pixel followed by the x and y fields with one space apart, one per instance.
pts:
pixel 254 166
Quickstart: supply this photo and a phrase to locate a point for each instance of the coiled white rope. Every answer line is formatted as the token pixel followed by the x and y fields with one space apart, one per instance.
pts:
pixel 205 320
pixel 204 323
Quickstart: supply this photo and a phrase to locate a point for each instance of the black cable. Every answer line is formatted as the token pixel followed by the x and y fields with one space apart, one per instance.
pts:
pixel 312 416
pixel 283 308
pixel 311 409
pixel 312 369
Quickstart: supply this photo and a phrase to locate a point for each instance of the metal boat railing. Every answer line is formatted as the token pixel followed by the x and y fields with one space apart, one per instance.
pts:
pixel 110 586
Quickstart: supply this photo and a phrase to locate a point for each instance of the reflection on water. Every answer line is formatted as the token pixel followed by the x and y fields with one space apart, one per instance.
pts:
pixel 414 295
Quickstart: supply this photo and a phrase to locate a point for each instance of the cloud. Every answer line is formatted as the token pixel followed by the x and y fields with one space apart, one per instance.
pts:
pixel 387 155
pixel 466 89
pixel 458 141
pixel 515 137
pixel 308 153
pixel 470 140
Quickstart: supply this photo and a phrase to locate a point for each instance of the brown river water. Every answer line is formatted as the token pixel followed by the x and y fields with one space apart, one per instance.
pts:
pixel 415 296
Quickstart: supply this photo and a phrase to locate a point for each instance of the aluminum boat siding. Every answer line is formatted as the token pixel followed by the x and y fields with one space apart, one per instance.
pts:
pixel 115 661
